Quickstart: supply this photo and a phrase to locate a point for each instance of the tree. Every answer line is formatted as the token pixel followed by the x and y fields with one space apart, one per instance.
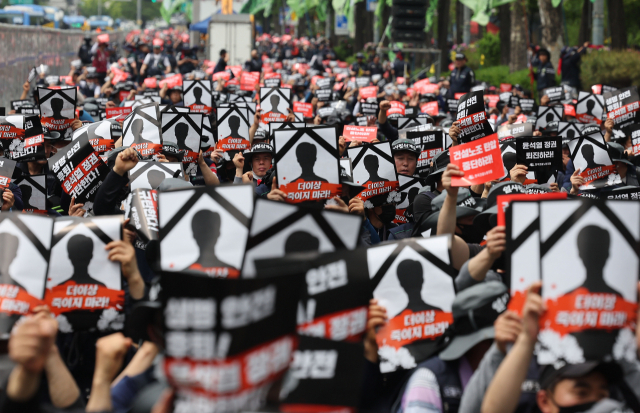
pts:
pixel 360 20
pixel 551 22
pixel 585 22
pixel 616 24
pixel 504 14
pixel 443 31
pixel 518 46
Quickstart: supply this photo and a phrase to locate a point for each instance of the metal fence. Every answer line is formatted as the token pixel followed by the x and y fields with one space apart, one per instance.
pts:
pixel 22 48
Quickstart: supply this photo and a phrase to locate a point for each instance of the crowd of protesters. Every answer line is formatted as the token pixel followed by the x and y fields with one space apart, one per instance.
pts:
pixel 488 367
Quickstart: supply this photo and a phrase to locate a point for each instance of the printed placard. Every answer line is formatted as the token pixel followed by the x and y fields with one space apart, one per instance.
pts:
pixel 150 174
pixel 514 130
pixel 323 95
pixel 209 136
pixel 34 193
pixel 227 341
pixel 622 105
pixel 25 247
pixel 360 133
pixel 591 310
pixel 602 89
pixel 7 166
pixel 396 110
pixel 414 281
pixel 197 96
pixel 568 131
pixel 142 130
pixel 628 193
pixel 249 81
pixel 430 108
pixel 84 288
pixel 57 107
pixel 233 130
pixel 80 169
pixel 306 109
pixel 273 126
pixel 589 154
pixel 539 153
pixel 633 131
pixel 408 123
pixel 480 161
pixel 431 143
pixel 375 169
pixel 319 367
pixel 306 163
pixel 548 114
pixel 272 81
pixel 526 105
pixel 280 229
pixel 205 229
pixel 472 118
pixel 98 134
pixel 21 138
pixel 369 92
pixel 589 108
pixel 409 187
pixel 141 207
pixel 555 94
pixel 17 104
pixel 184 130
pixel 369 108
pixel 274 103
pixel 117 112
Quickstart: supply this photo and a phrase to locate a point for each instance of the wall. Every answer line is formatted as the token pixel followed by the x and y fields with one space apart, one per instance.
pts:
pixel 22 48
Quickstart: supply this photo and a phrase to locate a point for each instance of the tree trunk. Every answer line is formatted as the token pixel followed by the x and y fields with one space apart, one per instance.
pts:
pixel 360 25
pixel 585 23
pixel 504 14
pixel 459 21
pixel 518 49
pixel 443 31
pixel 302 25
pixel 275 17
pixel 616 24
pixel 551 24
pixel 386 15
pixel 368 37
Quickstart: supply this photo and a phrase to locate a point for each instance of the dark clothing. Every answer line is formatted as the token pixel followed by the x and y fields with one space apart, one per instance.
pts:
pixel 110 194
pixel 187 67
pixel 545 75
pixel 356 67
pixel 17 196
pixel 388 131
pixel 461 80
pixel 254 65
pixel 398 68
pixel 375 69
pixel 220 66
pixel 85 54
pixel 571 68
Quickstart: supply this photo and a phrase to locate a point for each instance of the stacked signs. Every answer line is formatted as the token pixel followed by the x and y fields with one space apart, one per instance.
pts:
pixel 150 174
pixel 430 142
pixel 307 163
pixel 99 135
pixel 79 168
pixel 274 103
pixel 472 117
pixel 375 169
pixel 227 341
pixel 21 137
pixel 141 207
pixel 184 131
pixel 217 220
pixel 622 105
pixel 591 309
pixel 142 130
pixel 589 154
pixel 233 130
pixel 633 131
pixel 197 96
pixel 414 282
pixel 57 108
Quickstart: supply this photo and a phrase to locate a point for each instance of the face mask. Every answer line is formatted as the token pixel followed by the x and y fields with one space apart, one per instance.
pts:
pixel 580 408
pixel 388 214
pixel 468 234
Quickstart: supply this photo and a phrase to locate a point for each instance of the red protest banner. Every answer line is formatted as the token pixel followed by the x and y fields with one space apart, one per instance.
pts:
pixel 569 110
pixel 493 100
pixel 360 133
pixel 305 108
pixel 430 108
pixel 369 92
pixel 249 80
pixel 115 112
pixel 172 81
pixel 458 95
pixel 480 160
pixel 151 83
pixel 505 87
pixel 221 75
pixel 396 108
pixel 427 88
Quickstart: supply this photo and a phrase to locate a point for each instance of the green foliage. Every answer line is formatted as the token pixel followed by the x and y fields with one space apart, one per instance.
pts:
pixel 489 46
pixel 344 49
pixel 500 74
pixel 121 9
pixel 613 68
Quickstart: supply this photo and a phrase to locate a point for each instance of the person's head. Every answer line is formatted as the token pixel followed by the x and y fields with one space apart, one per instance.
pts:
pixel 80 251
pixel 544 55
pixel 137 126
pixel 359 57
pixel 157 49
pixel 306 153
pixel 10 245
pixel 254 54
pixel 56 105
pixel 461 60
pixel 260 163
pixel 205 226
pixel 155 178
pixel 406 162
pixel 593 247
pixel 371 164
pixel 175 95
pixel 587 152
pixel 234 123
pixel 223 54
pixel 301 241
pixel 87 39
pixel 144 48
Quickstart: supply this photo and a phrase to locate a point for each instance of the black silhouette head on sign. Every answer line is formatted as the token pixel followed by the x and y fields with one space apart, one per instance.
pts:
pixel 205 226
pixel 234 125
pixel 275 101
pixel 80 251
pixel 155 178
pixel 301 241
pixel 371 164
pixel 549 117
pixel 307 155
pixel 137 126
pixel 588 155
pixel 591 103
pixel 56 107
pixel 594 243
pixel 411 277
pixel 197 94
pixel 181 131
pixel 571 134
pixel 27 191
pixel 10 244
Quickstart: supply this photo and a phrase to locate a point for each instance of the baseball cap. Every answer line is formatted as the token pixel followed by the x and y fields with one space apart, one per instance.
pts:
pixel 400 145
pixel 171 149
pixel 474 309
pixel 550 374
pixel 487 219
pixel 259 147
pixel 617 154
pixel 174 183
pixel 466 206
pixel 440 162
pixel 460 56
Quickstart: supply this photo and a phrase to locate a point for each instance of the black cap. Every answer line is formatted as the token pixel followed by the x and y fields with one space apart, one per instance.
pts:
pixel 466 206
pixel 440 162
pixel 487 219
pixel 400 145
pixel 589 129
pixel 549 374
pixel 259 147
pixel 617 154
pixel 460 56
pixel 171 149
pixel 359 55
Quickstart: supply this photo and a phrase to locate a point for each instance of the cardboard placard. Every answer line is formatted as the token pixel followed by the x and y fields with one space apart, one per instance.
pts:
pixel 591 310
pixel 369 108
pixel 249 81
pixel 589 154
pixel 184 130
pixel 142 130
pixel 197 96
pixel 481 161
pixel 280 229
pixel 375 169
pixel 430 108
pixel 274 103
pixel 396 110
pixel 369 92
pixel 99 135
pixel 622 105
pixel 7 166
pixel 273 126
pixel 514 130
pixel 408 189
pixel 209 136
pixel 555 94
pixel 233 130
pixel 21 138
pixel 360 133
pixel 150 174
pixel 272 81
pixel 472 117
pixel 526 105
pixel 547 114
pixel 80 169
pixel 34 193
pixel 539 153
pixel 205 229
pixel 84 288
pixel 568 131
pixel 305 108
pixel 408 123
pixel 602 89
pixel 628 193
pixel 58 107
pixel 117 112
pixel 324 95
pixel 431 143
pixel 413 280
pixel 141 207
pixel 589 108
pixel 306 163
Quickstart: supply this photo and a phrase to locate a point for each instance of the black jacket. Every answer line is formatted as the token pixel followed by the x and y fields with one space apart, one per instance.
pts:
pixel 461 80
pixel 545 75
